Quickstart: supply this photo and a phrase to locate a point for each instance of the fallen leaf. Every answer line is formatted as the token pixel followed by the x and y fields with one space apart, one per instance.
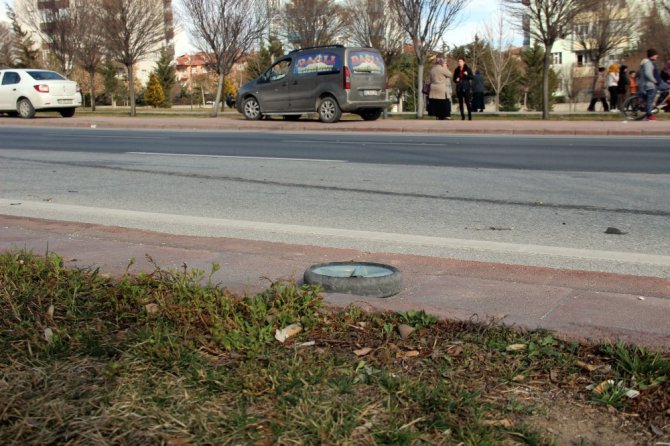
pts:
pixel 406 355
pixel 50 312
pixel 151 308
pixel 405 330
pixel 48 334
pixel 363 351
pixel 498 423
pixel 307 344
pixel 585 366
pixel 287 332
pixel 455 350
pixel 516 347
pixel 600 388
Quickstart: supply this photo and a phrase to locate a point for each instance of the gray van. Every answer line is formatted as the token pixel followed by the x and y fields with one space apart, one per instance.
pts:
pixel 327 80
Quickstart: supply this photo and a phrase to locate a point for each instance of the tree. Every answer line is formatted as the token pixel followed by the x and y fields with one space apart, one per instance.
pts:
pixel 425 22
pixel 23 47
pixel 154 93
pixel 533 79
pixel 548 21
pixel 225 30
pixel 58 26
pixel 6 50
pixel 603 30
pixel 498 60
pixel 165 72
pixel 111 81
pixel 133 29
pixel 655 29
pixel 373 23
pixel 313 22
pixel 89 52
pixel 258 62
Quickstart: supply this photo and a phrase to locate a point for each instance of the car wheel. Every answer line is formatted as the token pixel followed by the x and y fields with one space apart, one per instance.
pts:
pixel 67 112
pixel 359 278
pixel 371 115
pixel 25 109
pixel 252 109
pixel 329 110
pixel 291 117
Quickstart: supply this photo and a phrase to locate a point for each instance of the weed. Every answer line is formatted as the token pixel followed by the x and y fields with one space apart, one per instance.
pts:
pixel 645 368
pixel 418 319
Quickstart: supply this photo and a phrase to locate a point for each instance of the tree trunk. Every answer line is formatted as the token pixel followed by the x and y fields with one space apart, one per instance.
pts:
pixel 497 101
pixel 217 99
pixel 131 89
pixel 419 94
pixel 545 82
pixel 91 73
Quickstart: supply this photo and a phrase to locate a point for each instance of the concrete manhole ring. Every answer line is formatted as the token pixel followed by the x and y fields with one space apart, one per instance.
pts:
pixel 359 278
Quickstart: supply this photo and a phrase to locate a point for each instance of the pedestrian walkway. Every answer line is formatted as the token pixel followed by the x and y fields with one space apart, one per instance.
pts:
pixel 574 304
pixel 480 125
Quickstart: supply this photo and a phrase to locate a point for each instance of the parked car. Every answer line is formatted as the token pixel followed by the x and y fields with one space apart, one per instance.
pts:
pixel 327 80
pixel 25 91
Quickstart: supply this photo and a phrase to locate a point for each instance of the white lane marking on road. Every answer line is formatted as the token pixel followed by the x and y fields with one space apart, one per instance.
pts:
pixel 77 135
pixel 218 227
pixel 363 143
pixel 193 155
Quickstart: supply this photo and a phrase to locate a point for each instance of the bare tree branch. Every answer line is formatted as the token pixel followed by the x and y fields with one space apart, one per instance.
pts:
pixel 548 21
pixel 426 22
pixel 603 30
pixel 499 59
pixel 133 30
pixel 90 50
pixel 373 23
pixel 6 51
pixel 225 30
pixel 313 22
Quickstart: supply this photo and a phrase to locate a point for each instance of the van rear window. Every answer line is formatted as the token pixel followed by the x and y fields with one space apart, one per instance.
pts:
pixel 366 62
pixel 317 63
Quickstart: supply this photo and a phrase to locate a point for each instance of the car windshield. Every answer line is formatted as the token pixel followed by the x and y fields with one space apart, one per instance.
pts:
pixel 46 76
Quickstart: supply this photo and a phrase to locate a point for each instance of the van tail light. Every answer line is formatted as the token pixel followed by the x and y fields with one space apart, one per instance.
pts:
pixel 347 78
pixel 42 88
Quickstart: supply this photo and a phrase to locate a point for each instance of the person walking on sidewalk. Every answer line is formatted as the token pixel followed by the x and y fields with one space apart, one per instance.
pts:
pixel 462 78
pixel 633 82
pixel 648 82
pixel 440 93
pixel 599 91
pixel 613 85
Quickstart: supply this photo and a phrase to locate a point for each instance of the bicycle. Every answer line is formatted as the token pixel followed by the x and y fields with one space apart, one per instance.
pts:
pixel 635 107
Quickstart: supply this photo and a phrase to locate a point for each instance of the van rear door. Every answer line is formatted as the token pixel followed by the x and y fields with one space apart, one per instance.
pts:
pixel 368 75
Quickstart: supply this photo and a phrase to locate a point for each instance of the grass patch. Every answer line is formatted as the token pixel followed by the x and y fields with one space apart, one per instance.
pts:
pixel 171 358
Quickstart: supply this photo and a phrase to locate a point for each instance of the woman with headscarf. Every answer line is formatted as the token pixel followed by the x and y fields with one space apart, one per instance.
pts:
pixel 462 78
pixel 665 80
pixel 440 93
pixel 478 92
pixel 612 85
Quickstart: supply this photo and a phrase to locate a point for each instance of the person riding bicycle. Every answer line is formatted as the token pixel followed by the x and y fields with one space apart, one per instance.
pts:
pixel 648 82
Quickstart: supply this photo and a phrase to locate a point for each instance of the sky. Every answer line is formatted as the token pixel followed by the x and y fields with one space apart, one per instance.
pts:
pixel 468 24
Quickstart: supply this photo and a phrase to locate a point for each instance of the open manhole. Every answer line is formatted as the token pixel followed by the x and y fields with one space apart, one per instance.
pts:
pixel 359 278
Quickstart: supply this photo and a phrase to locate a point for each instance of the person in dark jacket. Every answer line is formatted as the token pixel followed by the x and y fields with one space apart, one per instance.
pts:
pixel 623 86
pixel 478 92
pixel 462 78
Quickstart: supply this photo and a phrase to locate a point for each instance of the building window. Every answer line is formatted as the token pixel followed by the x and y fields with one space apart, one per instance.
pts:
pixel 556 58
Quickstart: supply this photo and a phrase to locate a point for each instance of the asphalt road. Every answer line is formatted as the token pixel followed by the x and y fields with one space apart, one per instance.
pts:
pixel 530 200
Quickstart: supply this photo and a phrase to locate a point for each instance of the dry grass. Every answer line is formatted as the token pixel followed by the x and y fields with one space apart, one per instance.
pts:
pixel 169 358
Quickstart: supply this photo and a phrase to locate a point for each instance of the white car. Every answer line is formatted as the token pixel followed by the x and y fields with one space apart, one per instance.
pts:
pixel 24 91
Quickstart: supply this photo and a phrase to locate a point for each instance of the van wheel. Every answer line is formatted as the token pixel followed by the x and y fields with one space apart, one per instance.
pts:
pixel 371 115
pixel 25 109
pixel 252 109
pixel 329 110
pixel 67 112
